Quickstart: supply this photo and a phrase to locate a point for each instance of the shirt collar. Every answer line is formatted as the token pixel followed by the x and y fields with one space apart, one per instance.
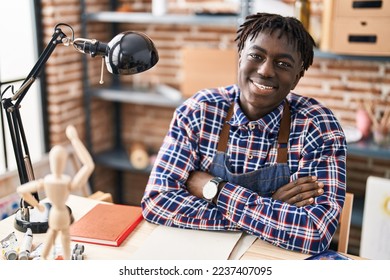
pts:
pixel 270 122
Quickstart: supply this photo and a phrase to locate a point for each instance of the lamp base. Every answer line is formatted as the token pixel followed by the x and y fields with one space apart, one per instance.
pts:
pixel 38 221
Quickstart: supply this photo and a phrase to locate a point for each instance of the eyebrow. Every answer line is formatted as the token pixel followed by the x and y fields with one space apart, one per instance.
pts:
pixel 281 55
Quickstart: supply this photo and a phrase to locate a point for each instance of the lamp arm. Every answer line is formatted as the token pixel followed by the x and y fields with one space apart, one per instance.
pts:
pixel 12 105
pixel 58 38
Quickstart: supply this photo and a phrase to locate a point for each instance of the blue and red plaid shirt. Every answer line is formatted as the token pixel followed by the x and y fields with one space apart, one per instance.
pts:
pixel 317 147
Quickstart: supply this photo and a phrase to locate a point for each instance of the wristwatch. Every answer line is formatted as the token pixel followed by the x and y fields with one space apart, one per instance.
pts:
pixel 210 189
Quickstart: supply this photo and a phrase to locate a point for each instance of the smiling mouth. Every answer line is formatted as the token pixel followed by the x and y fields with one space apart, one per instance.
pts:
pixel 263 87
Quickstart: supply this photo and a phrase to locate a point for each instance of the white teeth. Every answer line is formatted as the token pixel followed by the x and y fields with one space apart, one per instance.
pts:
pixel 263 87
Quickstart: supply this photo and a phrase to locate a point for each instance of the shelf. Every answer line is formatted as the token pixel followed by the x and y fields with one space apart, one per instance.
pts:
pixel 329 55
pixel 148 18
pixel 143 97
pixel 118 159
pixel 368 148
pixel 215 20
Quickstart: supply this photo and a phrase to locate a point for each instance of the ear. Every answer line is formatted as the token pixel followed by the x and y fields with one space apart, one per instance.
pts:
pixel 297 78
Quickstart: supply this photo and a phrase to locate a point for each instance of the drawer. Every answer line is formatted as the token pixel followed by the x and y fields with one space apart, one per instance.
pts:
pixel 360 36
pixel 361 8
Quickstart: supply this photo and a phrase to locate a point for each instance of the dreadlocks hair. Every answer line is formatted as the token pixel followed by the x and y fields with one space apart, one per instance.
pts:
pixel 290 27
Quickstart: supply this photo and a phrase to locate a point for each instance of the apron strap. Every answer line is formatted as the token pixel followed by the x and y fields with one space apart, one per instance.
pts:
pixel 224 136
pixel 284 133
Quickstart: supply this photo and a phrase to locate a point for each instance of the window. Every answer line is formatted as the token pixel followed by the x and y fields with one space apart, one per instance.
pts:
pixel 18 55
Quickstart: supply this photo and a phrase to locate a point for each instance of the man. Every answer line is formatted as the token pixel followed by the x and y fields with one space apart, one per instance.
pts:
pixel 255 156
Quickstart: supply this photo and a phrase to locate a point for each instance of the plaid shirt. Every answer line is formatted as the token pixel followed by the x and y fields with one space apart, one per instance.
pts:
pixel 316 147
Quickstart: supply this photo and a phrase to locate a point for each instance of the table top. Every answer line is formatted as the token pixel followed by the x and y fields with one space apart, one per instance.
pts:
pixel 368 148
pixel 81 205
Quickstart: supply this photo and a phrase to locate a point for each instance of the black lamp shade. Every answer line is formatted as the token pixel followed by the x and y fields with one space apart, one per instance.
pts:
pixel 131 53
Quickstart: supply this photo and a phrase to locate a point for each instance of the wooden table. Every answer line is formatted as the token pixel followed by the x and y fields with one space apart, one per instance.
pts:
pixel 80 206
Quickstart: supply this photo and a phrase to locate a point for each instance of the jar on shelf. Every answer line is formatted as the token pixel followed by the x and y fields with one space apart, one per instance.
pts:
pixel 159 7
pixel 302 12
pixel 363 122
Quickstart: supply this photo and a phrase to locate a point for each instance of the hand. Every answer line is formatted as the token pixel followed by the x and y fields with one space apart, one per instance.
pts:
pixel 196 181
pixel 71 132
pixel 41 207
pixel 300 192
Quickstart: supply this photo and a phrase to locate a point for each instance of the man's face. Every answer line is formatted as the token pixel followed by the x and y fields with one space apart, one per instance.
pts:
pixel 269 68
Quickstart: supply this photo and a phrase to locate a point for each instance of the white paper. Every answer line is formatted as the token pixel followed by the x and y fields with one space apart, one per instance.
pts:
pixel 242 246
pixel 168 243
pixel 375 241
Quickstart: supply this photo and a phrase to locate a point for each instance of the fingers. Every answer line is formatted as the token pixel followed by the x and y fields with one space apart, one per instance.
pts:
pixel 304 202
pixel 304 180
pixel 301 191
pixel 305 191
pixel 306 198
pixel 299 182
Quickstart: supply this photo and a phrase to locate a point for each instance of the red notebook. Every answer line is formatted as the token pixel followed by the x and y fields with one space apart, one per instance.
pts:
pixel 106 224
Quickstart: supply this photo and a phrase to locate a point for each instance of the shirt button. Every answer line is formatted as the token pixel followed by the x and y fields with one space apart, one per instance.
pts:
pixel 228 214
pixel 250 156
pixel 252 126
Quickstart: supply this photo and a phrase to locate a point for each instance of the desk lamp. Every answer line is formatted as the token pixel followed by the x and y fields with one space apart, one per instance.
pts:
pixel 126 54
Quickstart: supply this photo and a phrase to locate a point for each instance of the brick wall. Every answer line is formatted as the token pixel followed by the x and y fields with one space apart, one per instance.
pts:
pixel 63 71
pixel 337 83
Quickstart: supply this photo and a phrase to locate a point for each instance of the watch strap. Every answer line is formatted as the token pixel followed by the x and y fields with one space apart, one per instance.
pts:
pixel 217 180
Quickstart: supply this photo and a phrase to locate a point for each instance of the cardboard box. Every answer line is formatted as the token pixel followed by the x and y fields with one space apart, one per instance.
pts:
pixel 207 68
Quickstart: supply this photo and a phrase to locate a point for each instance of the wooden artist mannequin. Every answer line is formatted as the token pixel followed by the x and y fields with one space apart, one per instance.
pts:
pixel 57 187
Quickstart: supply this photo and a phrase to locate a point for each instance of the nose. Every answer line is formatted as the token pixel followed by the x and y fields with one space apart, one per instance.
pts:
pixel 266 68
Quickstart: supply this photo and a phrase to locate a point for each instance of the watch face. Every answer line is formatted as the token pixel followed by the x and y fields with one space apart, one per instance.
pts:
pixel 210 190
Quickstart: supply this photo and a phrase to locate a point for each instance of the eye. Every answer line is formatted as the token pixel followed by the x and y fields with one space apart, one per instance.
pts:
pixel 255 56
pixel 283 64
